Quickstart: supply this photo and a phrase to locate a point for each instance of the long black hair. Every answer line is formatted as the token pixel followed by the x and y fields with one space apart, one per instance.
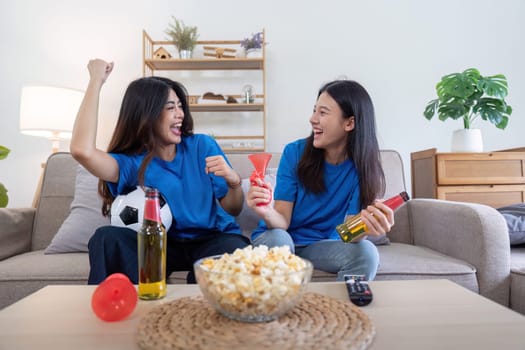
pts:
pixel 361 143
pixel 141 109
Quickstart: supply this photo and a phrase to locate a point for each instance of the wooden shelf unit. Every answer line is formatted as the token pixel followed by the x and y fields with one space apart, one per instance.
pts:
pixel 495 178
pixel 151 65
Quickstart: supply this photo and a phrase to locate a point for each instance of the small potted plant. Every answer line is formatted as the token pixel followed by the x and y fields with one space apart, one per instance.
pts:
pixel 4 199
pixel 184 37
pixel 467 96
pixel 253 45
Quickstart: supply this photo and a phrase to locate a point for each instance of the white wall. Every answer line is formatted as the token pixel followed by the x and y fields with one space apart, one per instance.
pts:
pixel 397 49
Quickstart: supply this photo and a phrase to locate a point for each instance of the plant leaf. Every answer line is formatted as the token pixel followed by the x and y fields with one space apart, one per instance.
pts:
pixel 430 109
pixel 184 37
pixel 4 199
pixel 4 151
pixel 495 86
pixel 458 107
pixel 458 85
pixel 452 110
pixel 493 110
pixel 472 73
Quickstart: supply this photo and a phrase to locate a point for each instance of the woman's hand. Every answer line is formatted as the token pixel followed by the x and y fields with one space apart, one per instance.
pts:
pixel 233 200
pixel 259 197
pixel 378 218
pixel 218 166
pixel 99 70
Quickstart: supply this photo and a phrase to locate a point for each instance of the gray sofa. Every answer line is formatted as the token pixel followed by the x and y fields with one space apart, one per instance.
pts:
pixel 466 243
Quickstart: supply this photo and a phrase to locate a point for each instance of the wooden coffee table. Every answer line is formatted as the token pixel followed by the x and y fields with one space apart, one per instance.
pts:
pixel 422 314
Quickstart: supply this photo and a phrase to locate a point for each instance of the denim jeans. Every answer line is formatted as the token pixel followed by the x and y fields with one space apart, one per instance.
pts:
pixel 114 249
pixel 333 256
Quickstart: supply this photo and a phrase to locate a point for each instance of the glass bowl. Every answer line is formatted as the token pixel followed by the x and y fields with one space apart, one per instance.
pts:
pixel 253 291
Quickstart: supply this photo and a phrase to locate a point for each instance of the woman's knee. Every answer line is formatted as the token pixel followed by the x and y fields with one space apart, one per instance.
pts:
pixel 275 238
pixel 362 259
pixel 369 252
pixel 98 237
pixel 109 235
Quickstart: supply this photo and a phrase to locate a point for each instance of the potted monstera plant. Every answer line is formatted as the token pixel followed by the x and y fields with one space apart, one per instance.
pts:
pixel 4 199
pixel 468 96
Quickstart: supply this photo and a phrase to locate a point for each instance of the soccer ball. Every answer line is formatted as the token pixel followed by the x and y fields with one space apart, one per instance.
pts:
pixel 127 210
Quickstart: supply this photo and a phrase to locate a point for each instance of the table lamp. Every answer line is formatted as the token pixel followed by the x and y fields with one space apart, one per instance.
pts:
pixel 49 112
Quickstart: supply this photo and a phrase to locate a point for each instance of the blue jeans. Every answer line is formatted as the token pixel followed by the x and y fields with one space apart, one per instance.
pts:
pixel 333 256
pixel 114 249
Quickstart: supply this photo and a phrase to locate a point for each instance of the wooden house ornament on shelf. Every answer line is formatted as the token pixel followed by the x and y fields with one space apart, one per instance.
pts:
pixel 161 54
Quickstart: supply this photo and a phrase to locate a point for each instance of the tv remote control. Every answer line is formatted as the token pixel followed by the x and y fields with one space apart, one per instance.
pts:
pixel 358 289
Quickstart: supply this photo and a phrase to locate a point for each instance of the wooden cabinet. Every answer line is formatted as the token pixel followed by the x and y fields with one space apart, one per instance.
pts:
pixel 492 178
pixel 235 140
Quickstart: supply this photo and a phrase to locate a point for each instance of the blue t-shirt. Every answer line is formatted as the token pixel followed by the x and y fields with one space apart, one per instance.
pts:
pixel 315 216
pixel 191 194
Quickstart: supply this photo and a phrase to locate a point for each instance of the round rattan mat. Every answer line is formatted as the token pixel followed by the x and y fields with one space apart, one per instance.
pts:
pixel 317 322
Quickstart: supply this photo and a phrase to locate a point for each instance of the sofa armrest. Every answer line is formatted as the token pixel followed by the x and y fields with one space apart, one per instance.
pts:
pixel 16 232
pixel 471 232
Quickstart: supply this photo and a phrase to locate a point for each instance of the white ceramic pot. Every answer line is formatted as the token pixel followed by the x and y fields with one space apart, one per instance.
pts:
pixel 467 140
pixel 185 54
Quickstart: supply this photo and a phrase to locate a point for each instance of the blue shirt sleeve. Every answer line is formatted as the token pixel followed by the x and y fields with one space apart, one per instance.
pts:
pixel 286 187
pixel 128 169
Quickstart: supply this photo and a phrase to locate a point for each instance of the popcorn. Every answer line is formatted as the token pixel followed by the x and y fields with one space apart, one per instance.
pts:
pixel 254 281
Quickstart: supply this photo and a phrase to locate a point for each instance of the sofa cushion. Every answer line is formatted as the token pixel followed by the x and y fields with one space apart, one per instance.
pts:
pixel 26 273
pixel 84 217
pixel 55 197
pixel 404 261
pixel 515 217
pixel 37 266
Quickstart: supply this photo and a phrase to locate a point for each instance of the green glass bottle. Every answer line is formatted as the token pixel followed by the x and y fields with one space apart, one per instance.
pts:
pixel 152 250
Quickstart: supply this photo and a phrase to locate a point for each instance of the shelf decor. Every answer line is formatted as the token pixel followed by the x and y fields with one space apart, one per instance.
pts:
pixel 184 37
pixel 244 112
pixel 161 54
pixel 253 45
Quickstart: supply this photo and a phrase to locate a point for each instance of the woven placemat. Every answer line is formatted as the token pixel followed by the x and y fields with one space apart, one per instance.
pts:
pixel 317 322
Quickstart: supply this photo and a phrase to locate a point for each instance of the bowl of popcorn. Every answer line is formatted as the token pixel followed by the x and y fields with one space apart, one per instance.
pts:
pixel 253 284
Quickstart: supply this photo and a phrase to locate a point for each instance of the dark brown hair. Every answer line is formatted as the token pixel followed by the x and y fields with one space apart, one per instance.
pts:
pixel 361 144
pixel 141 108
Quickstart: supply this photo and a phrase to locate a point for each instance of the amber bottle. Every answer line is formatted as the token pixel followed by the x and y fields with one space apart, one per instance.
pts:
pixel 354 228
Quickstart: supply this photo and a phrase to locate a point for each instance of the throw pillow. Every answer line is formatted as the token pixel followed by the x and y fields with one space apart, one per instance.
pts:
pixel 515 217
pixel 83 219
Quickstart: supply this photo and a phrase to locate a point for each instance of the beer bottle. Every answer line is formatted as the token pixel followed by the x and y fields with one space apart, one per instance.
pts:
pixel 353 227
pixel 152 250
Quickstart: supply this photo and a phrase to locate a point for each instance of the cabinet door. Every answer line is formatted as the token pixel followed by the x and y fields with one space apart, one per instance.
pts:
pixel 494 196
pixel 481 168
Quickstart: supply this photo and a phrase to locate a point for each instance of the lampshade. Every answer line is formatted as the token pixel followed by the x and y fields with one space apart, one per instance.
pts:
pixel 49 112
